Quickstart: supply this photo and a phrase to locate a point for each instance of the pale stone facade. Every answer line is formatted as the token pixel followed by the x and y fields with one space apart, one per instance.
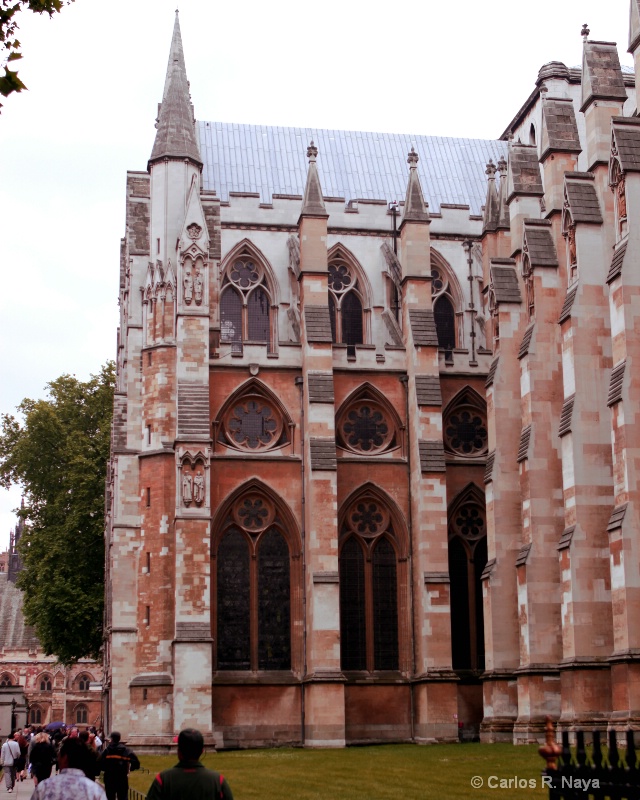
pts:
pixel 373 464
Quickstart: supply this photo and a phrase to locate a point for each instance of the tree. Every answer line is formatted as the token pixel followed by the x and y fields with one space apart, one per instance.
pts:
pixel 58 454
pixel 9 44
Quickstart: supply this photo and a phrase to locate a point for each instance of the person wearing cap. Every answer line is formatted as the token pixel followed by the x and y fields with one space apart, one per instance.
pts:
pixel 189 779
pixel 116 761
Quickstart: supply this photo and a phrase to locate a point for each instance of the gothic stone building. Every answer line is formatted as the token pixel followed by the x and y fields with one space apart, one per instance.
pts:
pixel 45 690
pixel 373 470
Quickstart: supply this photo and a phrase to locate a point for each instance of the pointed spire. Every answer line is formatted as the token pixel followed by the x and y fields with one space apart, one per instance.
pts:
pixel 415 208
pixel 313 202
pixel 176 136
pixel 492 204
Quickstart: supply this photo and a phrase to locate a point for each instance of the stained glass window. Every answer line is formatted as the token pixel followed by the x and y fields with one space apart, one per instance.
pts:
pixel 233 602
pixel 385 606
pixel 352 607
pixel 274 629
pixel 231 316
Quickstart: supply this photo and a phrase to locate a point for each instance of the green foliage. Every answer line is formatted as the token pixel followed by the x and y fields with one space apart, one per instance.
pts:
pixel 58 453
pixel 9 45
pixel 387 772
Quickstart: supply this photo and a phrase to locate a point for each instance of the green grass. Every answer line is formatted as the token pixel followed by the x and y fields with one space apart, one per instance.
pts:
pixel 410 772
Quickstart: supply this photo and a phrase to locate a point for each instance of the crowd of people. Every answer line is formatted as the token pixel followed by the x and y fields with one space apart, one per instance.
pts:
pixel 78 757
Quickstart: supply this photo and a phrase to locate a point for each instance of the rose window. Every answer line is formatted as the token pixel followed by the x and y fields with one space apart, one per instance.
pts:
pixel 438 282
pixel 469 522
pixel 252 424
pixel 339 277
pixel 244 274
pixel 253 513
pixel 466 432
pixel 365 428
pixel 368 518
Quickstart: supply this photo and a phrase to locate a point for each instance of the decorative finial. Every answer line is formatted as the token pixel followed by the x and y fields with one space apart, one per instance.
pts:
pixel 491 170
pixel 502 166
pixel 412 159
pixel 585 32
pixel 312 151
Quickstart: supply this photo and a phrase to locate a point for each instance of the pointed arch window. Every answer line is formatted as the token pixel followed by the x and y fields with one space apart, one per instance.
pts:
pixel 369 632
pixel 245 303
pixel 35 715
pixel 253 588
pixel 345 305
pixel 81 714
pixel 443 307
pixel 84 681
pixel 6 680
pixel 465 425
pixel 45 683
pixel 467 560
pixel 253 421
pixel 366 425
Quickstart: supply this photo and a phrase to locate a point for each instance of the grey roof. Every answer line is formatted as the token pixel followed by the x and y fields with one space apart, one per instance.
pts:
pixel 15 634
pixel 615 384
pixel 526 341
pixel 626 134
pixel 565 313
pixel 428 391
pixel 566 415
pixel 321 387
pixel 582 198
pixel 617 261
pixel 423 327
pixel 524 170
pixel 354 165
pixel 432 456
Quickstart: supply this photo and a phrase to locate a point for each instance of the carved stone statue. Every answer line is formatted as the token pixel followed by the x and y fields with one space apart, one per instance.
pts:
pixel 188 288
pixel 198 488
pixel 187 490
pixel 198 286
pixel 571 235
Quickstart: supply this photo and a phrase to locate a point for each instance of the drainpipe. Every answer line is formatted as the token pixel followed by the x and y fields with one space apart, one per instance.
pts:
pixel 404 380
pixel 299 381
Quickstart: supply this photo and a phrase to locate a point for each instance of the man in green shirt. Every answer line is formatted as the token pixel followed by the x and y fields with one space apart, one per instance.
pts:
pixel 189 779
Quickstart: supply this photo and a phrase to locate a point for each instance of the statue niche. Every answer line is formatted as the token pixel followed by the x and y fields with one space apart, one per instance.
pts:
pixel 192 482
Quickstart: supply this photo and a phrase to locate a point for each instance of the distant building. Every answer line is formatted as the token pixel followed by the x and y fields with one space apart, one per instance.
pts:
pixel 373 472
pixel 51 691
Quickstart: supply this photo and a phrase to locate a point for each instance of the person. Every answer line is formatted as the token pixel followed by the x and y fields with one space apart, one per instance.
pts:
pixel 21 762
pixel 9 754
pixel 90 767
pixel 189 779
pixel 42 755
pixel 116 761
pixel 71 781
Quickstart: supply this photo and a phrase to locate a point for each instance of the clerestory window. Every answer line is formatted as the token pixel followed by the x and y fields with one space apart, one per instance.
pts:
pixel 345 306
pixel 245 304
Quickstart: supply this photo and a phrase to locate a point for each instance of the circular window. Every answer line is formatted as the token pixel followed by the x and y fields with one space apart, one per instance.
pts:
pixel 364 428
pixel 468 522
pixel 244 273
pixel 465 432
pixel 252 424
pixel 339 276
pixel 254 513
pixel 367 517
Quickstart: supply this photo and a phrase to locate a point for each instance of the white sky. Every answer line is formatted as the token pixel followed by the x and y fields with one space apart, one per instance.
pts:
pixel 95 74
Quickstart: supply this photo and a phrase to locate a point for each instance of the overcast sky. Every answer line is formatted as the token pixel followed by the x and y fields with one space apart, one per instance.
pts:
pixel 95 74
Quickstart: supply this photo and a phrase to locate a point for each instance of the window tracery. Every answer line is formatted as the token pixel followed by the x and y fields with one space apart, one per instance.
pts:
pixel 253 421
pixel 467 560
pixel 368 569
pixel 246 301
pixel 35 715
pixel 617 182
pixel 446 299
pixel 345 305
pixel 465 425
pixel 81 715
pixel 366 426
pixel 253 586
pixel 45 683
pixel 6 680
pixel 84 681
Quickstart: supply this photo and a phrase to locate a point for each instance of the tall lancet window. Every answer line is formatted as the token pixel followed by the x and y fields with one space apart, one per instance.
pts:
pixel 368 588
pixel 245 303
pixel 345 305
pixel 253 588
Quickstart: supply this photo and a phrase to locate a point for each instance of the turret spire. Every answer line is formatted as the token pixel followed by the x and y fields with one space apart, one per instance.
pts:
pixel 313 202
pixel 176 136
pixel 414 205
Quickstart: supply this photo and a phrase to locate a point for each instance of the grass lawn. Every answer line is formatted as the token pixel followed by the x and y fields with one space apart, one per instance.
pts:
pixel 410 772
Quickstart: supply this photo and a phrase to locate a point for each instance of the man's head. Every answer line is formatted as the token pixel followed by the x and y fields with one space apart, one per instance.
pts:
pixel 115 737
pixel 190 744
pixel 73 753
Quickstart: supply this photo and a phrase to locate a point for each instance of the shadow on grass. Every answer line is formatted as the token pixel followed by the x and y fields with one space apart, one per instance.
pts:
pixel 412 772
